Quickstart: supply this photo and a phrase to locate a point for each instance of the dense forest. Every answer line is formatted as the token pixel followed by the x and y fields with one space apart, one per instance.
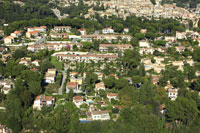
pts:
pixel 183 3
pixel 9 11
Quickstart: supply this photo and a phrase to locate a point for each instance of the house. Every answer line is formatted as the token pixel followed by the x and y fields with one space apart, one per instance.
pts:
pixel 172 93
pixel 73 86
pixel 159 67
pixel 36 63
pixel 159 60
pixel 82 31
pixel 62 29
pixel 87 57
pixel 79 80
pixel 190 62
pixel 50 76
pixel 3 49
pixel 155 79
pixel 9 39
pixel 180 35
pixel 43 100
pixel 144 44
pixel 4 129
pixel 114 75
pixel 73 74
pixel 100 86
pixel 24 62
pixel 6 57
pixel 1 33
pixel 180 64
pixel 6 86
pixel 59 35
pixel 32 34
pixel 16 34
pixel 100 115
pixel 197 73
pixel 126 30
pixel 112 96
pixel 107 31
pixel 170 38
pixel 114 47
pixel 143 31
pixel 78 100
pixel 39 29
pixel 5 90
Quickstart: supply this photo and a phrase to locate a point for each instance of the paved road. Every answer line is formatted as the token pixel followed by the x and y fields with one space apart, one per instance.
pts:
pixel 60 90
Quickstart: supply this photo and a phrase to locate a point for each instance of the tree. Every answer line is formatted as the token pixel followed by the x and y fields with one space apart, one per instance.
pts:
pixel 140 36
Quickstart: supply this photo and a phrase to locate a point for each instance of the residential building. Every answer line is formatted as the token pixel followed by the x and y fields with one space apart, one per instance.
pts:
pixel 62 29
pixel 50 76
pixel 24 62
pixel 32 34
pixel 112 96
pixel 36 63
pixel 114 47
pixel 172 93
pixel 78 80
pixel 9 40
pixel 100 115
pixel 87 57
pixel 16 34
pixel 1 33
pixel 107 31
pixel 78 101
pixel 73 86
pixel 144 44
pixel 59 35
pixel 82 31
pixel 39 29
pixel 180 35
pixel 43 100
pixel 170 38
pixel 100 86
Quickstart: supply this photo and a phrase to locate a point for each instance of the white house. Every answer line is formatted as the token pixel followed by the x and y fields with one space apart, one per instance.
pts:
pixel 43 100
pixel 180 35
pixel 50 76
pixel 100 115
pixel 172 93
pixel 107 31
pixel 36 62
pixel 144 44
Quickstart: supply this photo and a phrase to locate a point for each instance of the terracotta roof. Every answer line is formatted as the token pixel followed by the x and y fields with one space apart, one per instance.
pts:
pixel 112 94
pixel 78 98
pixel 72 84
pixel 44 98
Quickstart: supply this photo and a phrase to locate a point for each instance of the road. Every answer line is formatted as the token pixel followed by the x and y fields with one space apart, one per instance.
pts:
pixel 60 90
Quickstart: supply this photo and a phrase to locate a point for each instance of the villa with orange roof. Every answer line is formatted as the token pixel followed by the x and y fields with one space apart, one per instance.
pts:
pixel 32 34
pixel 43 100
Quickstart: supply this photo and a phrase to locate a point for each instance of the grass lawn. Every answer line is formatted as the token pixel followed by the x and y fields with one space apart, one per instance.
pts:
pixel 58 65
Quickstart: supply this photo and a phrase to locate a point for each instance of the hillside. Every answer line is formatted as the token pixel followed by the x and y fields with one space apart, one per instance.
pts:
pixel 24 10
pixel 183 3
